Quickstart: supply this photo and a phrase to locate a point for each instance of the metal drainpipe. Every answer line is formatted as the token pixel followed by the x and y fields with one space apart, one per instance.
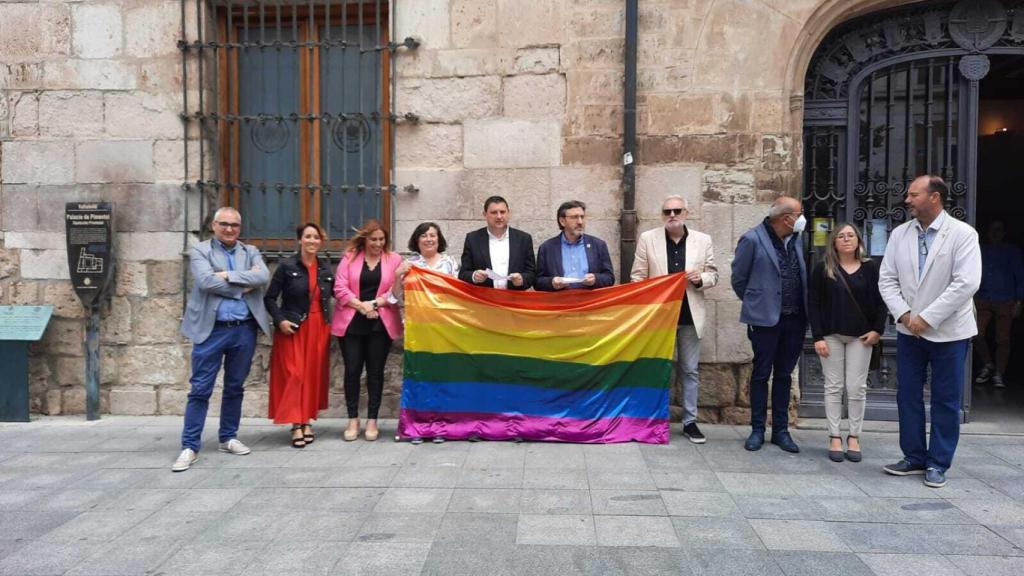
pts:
pixel 627 218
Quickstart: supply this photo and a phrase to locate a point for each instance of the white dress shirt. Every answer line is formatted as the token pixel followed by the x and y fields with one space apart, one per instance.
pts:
pixel 499 249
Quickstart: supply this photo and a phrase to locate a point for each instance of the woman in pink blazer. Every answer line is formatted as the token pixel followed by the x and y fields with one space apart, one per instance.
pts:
pixel 365 322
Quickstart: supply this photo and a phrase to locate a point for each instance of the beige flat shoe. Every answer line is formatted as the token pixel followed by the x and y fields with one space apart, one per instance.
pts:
pixel 371 435
pixel 352 432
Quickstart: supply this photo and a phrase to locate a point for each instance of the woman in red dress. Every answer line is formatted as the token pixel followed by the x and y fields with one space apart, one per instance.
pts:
pixel 300 358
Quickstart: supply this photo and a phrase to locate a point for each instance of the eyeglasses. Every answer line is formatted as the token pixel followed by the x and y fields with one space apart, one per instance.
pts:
pixel 846 236
pixel 922 245
pixel 673 211
pixel 229 224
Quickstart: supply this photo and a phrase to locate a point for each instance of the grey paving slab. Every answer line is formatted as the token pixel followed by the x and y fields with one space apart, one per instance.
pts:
pixel 347 499
pixel 732 533
pixel 988 565
pixel 448 559
pixel 996 511
pixel 381 559
pixel 8 547
pixel 833 485
pixel 974 488
pixel 882 485
pixel 1014 534
pixel 859 509
pixel 208 499
pixel 143 499
pixel 472 529
pixel 801 563
pixel 555 530
pixel 557 502
pixel 808 535
pixel 779 508
pixel 635 531
pixel 612 456
pixel 883 538
pixel 31 524
pixel 165 525
pixel 554 457
pixel 642 561
pixel 212 557
pixel 414 500
pixel 11 499
pixel 674 457
pixel 47 558
pixel 620 479
pixel 733 458
pixel 381 453
pixel 756 484
pixel 568 560
pixel 250 525
pixel 926 511
pixel 427 476
pixel 556 478
pixel 125 558
pixel 288 499
pixel 707 504
pixel 492 500
pixel 161 478
pixel 418 527
pixel 296 557
pixel 910 565
pixel 360 477
pixel 976 540
pixel 491 477
pixel 45 478
pixel 627 503
pixel 448 454
pixel 697 481
pixel 730 562
pixel 496 455
pixel 327 525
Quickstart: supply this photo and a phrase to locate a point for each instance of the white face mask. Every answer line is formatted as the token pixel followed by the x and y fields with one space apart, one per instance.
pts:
pixel 800 224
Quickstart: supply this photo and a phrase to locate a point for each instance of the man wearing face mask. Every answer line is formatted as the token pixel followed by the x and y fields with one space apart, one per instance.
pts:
pixel 769 276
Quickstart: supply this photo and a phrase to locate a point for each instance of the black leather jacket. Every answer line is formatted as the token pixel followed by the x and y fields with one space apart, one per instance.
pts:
pixel 291 284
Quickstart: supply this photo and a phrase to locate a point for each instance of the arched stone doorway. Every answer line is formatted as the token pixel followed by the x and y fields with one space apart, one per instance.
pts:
pixel 887 97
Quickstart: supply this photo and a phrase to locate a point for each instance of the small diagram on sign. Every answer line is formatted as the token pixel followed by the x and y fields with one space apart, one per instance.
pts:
pixel 89 263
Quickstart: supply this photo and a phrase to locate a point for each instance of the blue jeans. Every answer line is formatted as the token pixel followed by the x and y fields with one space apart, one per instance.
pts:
pixel 947 359
pixel 234 346
pixel 776 352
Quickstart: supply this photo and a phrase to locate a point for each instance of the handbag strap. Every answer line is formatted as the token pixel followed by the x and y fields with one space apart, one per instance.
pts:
pixel 840 273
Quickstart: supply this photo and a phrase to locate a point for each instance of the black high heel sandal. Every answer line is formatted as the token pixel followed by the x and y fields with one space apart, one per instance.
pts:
pixel 309 437
pixel 853 455
pixel 298 441
pixel 835 455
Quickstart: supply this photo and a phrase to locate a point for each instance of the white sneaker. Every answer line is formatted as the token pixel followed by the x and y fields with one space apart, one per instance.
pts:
pixel 185 460
pixel 234 446
pixel 997 380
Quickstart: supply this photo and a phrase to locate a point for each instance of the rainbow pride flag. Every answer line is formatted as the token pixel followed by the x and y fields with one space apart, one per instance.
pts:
pixel 574 366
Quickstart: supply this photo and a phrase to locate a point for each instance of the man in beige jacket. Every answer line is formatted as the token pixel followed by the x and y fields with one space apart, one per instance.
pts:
pixel 676 248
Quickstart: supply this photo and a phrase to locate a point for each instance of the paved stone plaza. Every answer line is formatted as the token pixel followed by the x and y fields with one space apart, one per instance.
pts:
pixel 99 499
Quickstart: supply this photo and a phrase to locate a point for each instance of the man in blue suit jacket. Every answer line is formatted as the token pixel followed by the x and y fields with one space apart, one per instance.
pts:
pixel 573 254
pixel 769 276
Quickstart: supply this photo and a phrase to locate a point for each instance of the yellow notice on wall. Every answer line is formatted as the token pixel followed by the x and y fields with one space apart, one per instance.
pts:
pixel 821 227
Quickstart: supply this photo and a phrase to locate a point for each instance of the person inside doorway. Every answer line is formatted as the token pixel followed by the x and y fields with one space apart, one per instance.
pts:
pixel 998 301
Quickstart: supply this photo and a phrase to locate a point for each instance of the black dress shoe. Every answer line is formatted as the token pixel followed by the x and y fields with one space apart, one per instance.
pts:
pixel 785 441
pixel 754 441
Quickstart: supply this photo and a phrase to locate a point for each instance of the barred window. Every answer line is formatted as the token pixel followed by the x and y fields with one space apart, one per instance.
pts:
pixel 297 114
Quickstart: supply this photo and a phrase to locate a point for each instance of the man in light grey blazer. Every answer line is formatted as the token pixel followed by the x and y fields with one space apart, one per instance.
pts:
pixel 224 311
pixel 931 270
pixel 677 248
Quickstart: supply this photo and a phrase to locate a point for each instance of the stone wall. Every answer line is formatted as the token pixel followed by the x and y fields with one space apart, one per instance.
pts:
pixel 517 98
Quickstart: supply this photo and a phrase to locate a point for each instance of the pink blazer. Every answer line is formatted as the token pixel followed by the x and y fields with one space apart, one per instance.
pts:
pixel 346 287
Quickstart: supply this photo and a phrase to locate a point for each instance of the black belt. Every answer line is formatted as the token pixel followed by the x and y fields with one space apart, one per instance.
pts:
pixel 233 323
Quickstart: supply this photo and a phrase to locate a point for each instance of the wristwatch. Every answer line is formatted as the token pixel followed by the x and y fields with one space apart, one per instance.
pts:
pixel 375 306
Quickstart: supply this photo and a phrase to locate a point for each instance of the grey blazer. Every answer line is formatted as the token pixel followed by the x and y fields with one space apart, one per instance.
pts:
pixel 757 278
pixel 208 289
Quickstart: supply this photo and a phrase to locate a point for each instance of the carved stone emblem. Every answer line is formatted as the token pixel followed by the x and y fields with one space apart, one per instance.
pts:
pixel 976 25
pixel 974 66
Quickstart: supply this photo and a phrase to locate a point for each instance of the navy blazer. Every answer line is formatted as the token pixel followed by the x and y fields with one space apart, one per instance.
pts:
pixel 757 278
pixel 549 262
pixel 476 255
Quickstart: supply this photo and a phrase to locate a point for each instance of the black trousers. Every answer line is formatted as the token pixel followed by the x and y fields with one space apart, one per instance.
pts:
pixel 776 352
pixel 371 351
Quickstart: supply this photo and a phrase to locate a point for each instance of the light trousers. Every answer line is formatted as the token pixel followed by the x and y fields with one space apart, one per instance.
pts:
pixel 846 368
pixel 688 357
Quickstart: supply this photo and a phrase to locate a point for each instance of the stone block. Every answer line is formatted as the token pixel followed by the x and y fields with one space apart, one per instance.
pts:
pixel 712 113
pixel 597 53
pixel 745 217
pixel 719 149
pixel 130 279
pixel 594 87
pixel 526 190
pixel 665 78
pixel 169 159
pixel 153 365
pixel 450 99
pixel 143 115
pixel 472 62
pixel 35 240
pixel 74 74
pixel 735 415
pixel 743 372
pixel 428 146
pixel 427 20
pixel 653 183
pixel 716 220
pixel 599 187
pixel 732 185
pixel 97 31
pixel 45 264
pixel 708 344
pixel 23 293
pixel 147 246
pixel 506 143
pixel 133 401
pixel 732 342
pixel 152 29
pixel 171 400
pixel 717 385
pixel 108 365
pixel 165 277
pixel 474 23
pixel 38 162
pixel 71 114
pixel 255 404
pixel 157 320
pixel 537 60
pixel 117 322
pixel 768 112
pixel 24 114
pixel 55 28
pixel 9 261
pixel 20 31
pixel 437 198
pixel 73 400
pixel 69 370
pixel 63 337
pixel 103 161
pixel 534 96
pixel 595 120
pixel 164 76
pixel 53 403
pixel 777 152
pixel 535 23
pixel 592 150
pixel 594 22
pixel 730 57
pixel 21 75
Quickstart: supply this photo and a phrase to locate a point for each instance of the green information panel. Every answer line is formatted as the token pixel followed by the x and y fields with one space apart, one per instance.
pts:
pixel 24 322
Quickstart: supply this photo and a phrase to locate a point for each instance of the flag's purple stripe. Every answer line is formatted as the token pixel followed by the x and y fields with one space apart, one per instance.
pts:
pixel 491 426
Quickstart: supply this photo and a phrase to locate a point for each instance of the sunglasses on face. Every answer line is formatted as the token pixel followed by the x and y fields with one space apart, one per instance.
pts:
pixel 672 211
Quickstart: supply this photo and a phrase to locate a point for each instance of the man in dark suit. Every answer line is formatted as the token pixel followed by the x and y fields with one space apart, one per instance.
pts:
pixel 506 252
pixel 573 255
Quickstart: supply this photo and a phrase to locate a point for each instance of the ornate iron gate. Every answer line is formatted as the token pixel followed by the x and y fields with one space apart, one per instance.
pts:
pixel 889 97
